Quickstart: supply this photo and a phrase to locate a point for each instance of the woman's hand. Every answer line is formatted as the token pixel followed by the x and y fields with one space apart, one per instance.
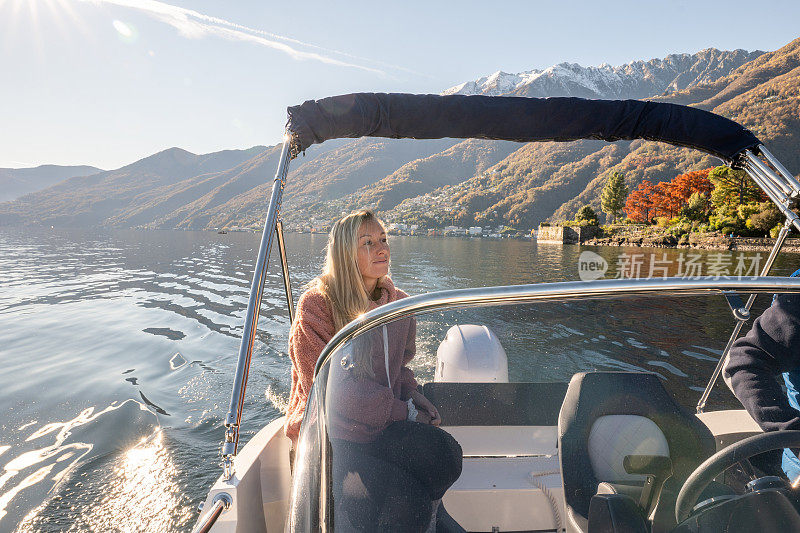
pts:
pixel 428 414
pixel 423 418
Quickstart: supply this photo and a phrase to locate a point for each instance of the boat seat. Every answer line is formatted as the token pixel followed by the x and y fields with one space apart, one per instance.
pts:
pixel 505 441
pixel 616 513
pixel 496 404
pixel 499 419
pixel 634 490
pixel 608 415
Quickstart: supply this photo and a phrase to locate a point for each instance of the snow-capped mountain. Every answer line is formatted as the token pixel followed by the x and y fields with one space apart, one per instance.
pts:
pixel 638 79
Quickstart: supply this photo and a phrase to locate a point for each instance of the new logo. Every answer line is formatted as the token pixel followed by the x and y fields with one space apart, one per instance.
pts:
pixel 591 266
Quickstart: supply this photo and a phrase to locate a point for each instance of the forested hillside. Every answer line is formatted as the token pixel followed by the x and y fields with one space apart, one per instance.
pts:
pixel 441 182
pixel 524 189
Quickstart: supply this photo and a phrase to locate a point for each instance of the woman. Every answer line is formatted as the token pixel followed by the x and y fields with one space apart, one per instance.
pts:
pixel 354 280
pixel 382 428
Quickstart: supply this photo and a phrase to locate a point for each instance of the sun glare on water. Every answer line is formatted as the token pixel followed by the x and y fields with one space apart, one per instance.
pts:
pixel 136 489
pixel 143 492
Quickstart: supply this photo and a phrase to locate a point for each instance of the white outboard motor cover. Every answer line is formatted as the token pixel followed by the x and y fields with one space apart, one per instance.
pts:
pixel 471 353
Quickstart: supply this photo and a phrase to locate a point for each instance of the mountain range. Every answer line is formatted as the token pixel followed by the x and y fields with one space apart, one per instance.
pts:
pixel 16 182
pixel 638 79
pixel 443 181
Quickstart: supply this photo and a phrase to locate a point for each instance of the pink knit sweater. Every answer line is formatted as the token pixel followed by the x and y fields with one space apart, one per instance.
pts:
pixel 362 408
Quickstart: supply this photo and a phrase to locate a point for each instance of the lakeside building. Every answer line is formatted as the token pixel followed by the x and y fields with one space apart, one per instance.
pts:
pixel 398 228
pixel 454 231
pixel 498 232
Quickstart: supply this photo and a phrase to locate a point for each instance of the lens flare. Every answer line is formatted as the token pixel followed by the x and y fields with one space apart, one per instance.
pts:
pixel 127 33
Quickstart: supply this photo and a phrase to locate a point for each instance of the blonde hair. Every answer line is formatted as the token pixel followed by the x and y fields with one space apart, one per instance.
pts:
pixel 341 282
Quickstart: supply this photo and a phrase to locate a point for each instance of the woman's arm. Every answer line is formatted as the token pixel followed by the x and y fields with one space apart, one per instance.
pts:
pixel 311 331
pixel 362 399
pixel 756 360
pixel 408 384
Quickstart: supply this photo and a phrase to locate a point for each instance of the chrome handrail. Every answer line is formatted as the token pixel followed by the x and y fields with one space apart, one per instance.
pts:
pixel 222 502
pixel 569 290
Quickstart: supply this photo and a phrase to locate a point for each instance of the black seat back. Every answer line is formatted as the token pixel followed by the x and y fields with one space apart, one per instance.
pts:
pixel 496 404
pixel 594 394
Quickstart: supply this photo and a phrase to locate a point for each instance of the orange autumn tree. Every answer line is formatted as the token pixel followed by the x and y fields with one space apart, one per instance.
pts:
pixel 639 205
pixel 666 201
pixel 685 185
pixel 666 198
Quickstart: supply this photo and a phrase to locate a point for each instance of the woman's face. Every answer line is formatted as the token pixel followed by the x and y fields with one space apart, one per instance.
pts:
pixel 372 254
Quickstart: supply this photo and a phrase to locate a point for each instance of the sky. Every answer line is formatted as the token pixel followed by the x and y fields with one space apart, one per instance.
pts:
pixel 107 82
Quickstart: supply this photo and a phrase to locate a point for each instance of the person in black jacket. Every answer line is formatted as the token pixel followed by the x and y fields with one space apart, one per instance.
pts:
pixel 768 353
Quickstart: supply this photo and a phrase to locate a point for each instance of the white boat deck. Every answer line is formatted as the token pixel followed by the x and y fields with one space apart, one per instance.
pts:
pixel 508 493
pixel 510 480
pixel 512 470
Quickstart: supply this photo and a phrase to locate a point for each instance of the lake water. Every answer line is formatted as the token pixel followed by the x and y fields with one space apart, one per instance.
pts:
pixel 119 347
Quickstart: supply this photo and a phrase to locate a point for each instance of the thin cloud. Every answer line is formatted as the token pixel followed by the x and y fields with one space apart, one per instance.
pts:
pixel 195 25
pixel 321 48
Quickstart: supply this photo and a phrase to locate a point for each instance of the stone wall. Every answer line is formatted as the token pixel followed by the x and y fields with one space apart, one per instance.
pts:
pixel 652 237
pixel 567 234
pixel 550 234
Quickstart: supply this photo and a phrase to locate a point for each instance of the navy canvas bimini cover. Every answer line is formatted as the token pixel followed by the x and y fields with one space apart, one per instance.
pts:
pixel 429 116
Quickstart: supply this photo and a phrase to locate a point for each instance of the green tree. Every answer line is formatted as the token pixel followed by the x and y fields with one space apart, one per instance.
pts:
pixel 732 188
pixel 696 208
pixel 612 199
pixel 766 218
pixel 586 215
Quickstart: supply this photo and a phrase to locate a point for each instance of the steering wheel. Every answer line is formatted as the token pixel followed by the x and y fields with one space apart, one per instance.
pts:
pixel 724 459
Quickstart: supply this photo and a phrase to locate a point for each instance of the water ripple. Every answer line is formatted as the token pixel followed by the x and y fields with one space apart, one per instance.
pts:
pixel 102 333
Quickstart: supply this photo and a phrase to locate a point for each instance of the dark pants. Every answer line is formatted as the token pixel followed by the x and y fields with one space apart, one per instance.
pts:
pixel 389 484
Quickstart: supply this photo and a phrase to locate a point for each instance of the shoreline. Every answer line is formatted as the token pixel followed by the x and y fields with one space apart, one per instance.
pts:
pixel 696 241
pixel 699 241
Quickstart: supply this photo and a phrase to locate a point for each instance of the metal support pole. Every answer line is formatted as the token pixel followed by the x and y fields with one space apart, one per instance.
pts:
pixel 770 187
pixel 234 416
pixel 779 167
pixel 701 405
pixel 785 187
pixel 287 284
pixel 782 189
pixel 782 203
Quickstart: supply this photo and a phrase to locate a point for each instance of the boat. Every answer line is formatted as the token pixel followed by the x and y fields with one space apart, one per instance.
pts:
pixel 550 442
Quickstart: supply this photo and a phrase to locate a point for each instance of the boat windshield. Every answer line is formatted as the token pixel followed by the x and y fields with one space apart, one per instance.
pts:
pixel 496 378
